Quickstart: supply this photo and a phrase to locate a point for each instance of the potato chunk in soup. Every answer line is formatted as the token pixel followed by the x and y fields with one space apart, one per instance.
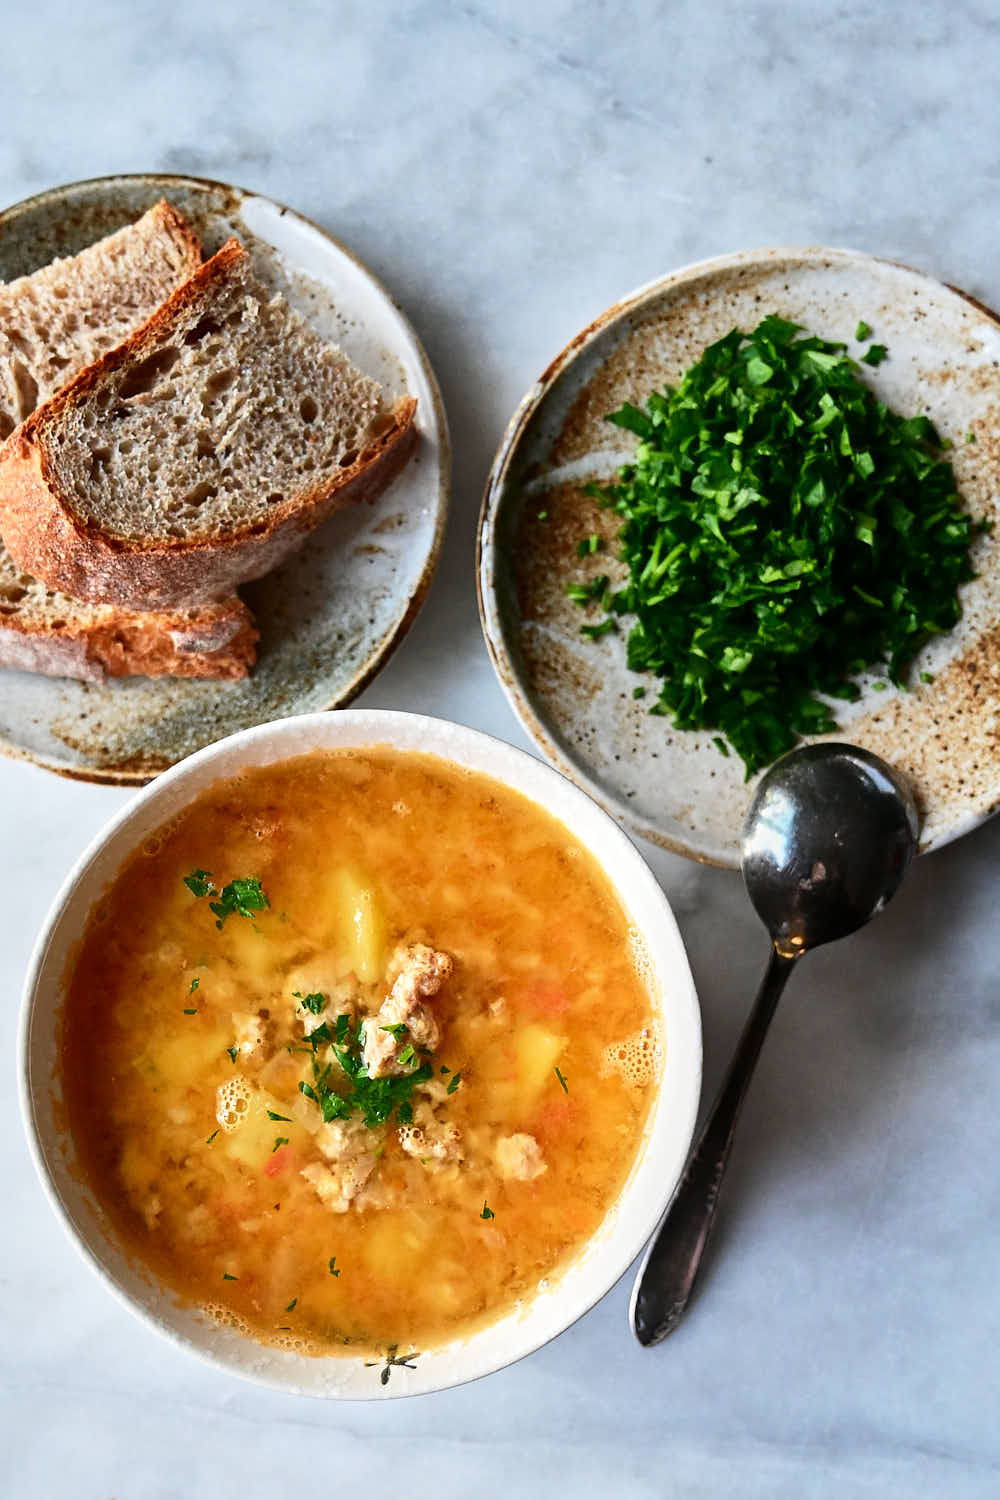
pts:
pixel 336 1050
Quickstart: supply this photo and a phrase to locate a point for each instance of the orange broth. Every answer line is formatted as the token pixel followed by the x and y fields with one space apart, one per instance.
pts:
pixel 546 1017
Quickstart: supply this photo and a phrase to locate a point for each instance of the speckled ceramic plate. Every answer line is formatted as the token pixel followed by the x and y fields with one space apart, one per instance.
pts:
pixel 331 616
pixel 574 696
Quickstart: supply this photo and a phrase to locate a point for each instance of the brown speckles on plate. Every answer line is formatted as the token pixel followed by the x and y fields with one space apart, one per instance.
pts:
pixel 574 695
pixel 332 615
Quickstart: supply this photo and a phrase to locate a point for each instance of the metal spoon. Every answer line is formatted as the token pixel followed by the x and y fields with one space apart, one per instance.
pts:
pixel 826 842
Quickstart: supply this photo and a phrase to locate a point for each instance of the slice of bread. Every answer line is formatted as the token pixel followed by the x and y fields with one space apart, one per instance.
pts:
pixel 42 631
pixel 68 314
pixel 199 453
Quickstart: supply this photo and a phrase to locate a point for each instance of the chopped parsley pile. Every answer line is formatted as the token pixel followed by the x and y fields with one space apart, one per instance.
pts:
pixel 376 1099
pixel 783 530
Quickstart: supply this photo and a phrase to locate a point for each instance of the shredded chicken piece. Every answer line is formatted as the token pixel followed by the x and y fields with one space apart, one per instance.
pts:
pixel 519 1156
pixel 420 971
pixel 352 1151
pixel 342 1000
pixel 249 1032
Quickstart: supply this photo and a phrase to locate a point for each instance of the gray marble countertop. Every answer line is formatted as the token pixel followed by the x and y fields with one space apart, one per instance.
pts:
pixel 509 169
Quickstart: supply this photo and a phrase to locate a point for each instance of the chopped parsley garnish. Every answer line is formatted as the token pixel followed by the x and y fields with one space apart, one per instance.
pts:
pixel 487 1212
pixel 341 1028
pixel 244 895
pixel 333 1266
pixel 562 1081
pixel 862 332
pixel 783 530
pixel 312 1003
pixel 397 1031
pixel 291 1304
pixel 453 1082
pixel 232 1053
pixel 191 1012
pixel 273 1115
pixel 279 1140
pixel 211 1138
pixel 226 1277
pixel 194 985
pixel 318 1036
pixel 407 1055
pixel 874 354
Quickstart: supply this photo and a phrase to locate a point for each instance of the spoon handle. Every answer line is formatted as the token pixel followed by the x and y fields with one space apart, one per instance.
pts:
pixel 668 1272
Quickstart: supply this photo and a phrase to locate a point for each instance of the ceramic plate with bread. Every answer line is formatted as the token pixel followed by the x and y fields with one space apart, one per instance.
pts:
pixel 223 475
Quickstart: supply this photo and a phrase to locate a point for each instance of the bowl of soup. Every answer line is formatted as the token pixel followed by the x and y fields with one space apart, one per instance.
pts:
pixel 360 1054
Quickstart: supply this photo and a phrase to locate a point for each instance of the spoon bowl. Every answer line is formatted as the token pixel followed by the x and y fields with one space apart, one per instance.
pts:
pixel 827 840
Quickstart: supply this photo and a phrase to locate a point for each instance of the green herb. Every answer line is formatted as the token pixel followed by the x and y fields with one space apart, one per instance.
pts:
pixel 638 692
pixel 272 1115
pixel 445 1068
pixel 194 985
pixel 880 687
pixel 211 1138
pixel 279 1140
pixel 595 632
pixel 487 1212
pixel 291 1304
pixel 318 1036
pixel 245 897
pixel 583 593
pixel 783 530
pixel 862 332
pixel 312 1003
pixel 190 1012
pixel 333 1266
pixel 226 1277
pixel 927 677
pixel 562 1081
pixel 543 515
pixel 874 354
pixel 588 545
pixel 375 1099
pixel 970 437
pixel 453 1082
pixel 232 1053
pixel 398 1030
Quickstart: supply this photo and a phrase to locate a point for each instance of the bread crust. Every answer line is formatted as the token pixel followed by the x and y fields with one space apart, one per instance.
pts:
pixel 46 539
pixel 217 641
pixel 174 224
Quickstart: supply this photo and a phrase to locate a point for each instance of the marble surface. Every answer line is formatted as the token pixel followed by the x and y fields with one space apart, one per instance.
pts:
pixel 509 169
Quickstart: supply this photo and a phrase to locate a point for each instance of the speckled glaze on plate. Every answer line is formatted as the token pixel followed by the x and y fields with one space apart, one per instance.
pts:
pixel 574 696
pixel 331 616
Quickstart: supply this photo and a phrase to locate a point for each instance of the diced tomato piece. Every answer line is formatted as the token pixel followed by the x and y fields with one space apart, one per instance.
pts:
pixel 279 1161
pixel 543 999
